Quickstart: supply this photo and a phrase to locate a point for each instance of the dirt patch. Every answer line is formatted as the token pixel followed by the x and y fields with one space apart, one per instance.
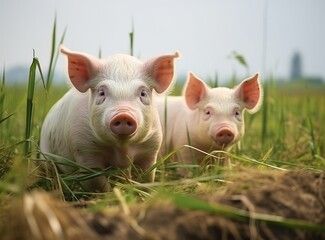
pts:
pixel 294 195
pixel 297 195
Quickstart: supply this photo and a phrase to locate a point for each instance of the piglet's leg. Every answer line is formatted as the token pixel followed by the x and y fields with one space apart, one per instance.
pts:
pixel 144 164
pixel 97 184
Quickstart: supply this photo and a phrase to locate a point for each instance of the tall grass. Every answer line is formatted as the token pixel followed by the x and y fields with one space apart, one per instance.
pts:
pixel 131 37
pixel 2 92
pixel 54 55
pixel 18 121
pixel 265 113
pixel 30 102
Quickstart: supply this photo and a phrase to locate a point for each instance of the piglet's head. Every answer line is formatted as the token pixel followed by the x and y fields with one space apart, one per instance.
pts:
pixel 249 92
pixel 121 91
pixel 220 111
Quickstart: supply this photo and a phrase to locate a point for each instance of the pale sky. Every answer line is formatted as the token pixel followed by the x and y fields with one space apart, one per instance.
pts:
pixel 205 32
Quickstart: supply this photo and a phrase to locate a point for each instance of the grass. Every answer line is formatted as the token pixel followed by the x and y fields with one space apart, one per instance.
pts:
pixel 30 103
pixel 289 125
pixel 187 202
pixel 286 134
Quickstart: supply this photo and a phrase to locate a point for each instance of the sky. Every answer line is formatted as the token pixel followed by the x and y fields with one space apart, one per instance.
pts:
pixel 206 32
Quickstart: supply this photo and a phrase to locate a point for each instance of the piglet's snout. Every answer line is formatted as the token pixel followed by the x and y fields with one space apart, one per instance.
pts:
pixel 123 124
pixel 224 136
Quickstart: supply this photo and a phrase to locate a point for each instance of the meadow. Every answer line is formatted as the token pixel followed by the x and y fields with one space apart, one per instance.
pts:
pixel 286 136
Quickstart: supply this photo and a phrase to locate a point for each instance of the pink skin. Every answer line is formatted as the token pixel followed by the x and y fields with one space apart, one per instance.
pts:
pixel 224 136
pixel 206 118
pixel 109 117
pixel 123 124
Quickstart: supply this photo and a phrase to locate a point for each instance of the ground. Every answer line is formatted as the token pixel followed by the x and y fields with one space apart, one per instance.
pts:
pixel 296 195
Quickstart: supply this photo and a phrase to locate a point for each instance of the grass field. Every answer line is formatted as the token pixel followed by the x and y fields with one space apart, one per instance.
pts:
pixel 286 135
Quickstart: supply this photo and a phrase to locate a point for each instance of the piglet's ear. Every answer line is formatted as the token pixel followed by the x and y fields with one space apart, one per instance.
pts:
pixel 250 92
pixel 81 68
pixel 195 91
pixel 161 70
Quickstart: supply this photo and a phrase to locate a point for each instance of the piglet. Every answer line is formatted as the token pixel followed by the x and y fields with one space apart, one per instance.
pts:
pixel 108 118
pixel 206 118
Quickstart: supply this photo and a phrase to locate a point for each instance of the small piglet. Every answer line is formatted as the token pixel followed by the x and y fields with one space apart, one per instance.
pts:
pixel 206 118
pixel 108 118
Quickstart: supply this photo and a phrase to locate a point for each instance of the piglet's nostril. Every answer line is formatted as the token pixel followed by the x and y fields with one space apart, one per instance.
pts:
pixel 123 124
pixel 224 136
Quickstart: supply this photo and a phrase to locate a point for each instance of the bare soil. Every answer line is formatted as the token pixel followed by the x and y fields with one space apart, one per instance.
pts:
pixel 293 194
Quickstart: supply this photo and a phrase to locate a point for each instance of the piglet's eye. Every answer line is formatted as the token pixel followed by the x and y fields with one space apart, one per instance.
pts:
pixel 143 93
pixel 144 96
pixel 102 93
pixel 207 113
pixel 237 114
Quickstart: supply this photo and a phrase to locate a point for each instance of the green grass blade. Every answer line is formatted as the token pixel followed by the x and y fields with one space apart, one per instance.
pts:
pixel 5 118
pixel 30 102
pixel 54 55
pixel 192 203
pixel 216 81
pixel 100 52
pixel 194 160
pixel 81 172
pixel 246 159
pixel 161 161
pixel 265 114
pixel 49 78
pixel 2 92
pixel 66 162
pixel 312 143
pixel 38 65
pixel 131 36
pixel 165 124
pixel 240 59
